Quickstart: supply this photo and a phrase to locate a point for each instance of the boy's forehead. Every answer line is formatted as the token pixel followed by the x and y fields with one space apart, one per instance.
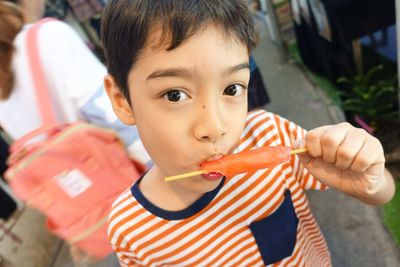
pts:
pixel 209 52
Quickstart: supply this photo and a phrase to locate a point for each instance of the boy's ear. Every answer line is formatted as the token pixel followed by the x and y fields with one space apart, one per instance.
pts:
pixel 119 103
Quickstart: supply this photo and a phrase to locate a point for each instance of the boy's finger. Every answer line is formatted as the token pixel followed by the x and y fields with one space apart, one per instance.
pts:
pixel 305 159
pixel 331 140
pixel 313 141
pixel 371 153
pixel 348 150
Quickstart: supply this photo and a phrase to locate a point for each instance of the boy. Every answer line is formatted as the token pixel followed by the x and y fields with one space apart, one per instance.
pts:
pixel 179 70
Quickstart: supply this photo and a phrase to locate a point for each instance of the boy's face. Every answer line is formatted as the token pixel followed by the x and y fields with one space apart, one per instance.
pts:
pixel 190 103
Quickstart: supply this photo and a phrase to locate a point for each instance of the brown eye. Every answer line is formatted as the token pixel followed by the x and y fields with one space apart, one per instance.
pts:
pixel 175 96
pixel 234 90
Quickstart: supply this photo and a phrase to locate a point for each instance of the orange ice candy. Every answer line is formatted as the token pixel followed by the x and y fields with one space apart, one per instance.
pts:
pixel 248 161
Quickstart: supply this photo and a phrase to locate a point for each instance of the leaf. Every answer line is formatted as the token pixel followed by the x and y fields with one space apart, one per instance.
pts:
pixel 372 71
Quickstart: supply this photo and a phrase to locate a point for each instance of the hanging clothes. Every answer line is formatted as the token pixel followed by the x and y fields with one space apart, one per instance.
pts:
pixel 331 57
pixel 56 9
pixel 88 14
pixel 329 52
pixel 84 10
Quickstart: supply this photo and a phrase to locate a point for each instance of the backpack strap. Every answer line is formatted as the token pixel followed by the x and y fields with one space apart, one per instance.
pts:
pixel 49 122
pixel 38 76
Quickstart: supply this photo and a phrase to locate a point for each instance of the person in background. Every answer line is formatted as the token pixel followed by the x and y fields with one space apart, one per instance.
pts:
pixel 8 204
pixel 73 73
pixel 257 92
pixel 74 76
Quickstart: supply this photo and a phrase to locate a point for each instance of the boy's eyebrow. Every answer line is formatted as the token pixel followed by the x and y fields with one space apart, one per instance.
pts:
pixel 173 72
pixel 237 68
pixel 182 72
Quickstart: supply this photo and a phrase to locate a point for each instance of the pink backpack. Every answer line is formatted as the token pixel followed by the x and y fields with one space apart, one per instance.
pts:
pixel 73 173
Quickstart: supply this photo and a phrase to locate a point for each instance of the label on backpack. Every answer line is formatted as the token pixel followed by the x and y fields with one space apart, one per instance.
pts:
pixel 73 182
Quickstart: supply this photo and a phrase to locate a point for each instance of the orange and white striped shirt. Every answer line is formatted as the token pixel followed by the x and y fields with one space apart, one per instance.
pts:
pixel 253 219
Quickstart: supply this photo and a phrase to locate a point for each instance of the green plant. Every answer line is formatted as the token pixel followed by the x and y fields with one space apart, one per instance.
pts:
pixel 373 100
pixel 392 216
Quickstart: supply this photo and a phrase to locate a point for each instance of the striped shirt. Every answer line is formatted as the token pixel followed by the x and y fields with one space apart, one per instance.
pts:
pixel 253 219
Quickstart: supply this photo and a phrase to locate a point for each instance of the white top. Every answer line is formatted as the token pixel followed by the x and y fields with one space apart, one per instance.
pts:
pixel 75 79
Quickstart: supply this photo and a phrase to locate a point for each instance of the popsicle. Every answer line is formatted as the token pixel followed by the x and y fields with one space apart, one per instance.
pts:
pixel 246 161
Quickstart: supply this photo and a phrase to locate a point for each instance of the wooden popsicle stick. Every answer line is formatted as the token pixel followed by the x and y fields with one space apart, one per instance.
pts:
pixel 182 176
pixel 190 174
pixel 296 151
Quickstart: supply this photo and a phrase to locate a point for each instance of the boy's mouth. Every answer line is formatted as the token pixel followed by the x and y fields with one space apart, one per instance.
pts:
pixel 212 176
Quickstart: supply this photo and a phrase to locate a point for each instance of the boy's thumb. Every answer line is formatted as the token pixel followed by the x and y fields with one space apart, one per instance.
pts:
pixel 305 157
pixel 298 143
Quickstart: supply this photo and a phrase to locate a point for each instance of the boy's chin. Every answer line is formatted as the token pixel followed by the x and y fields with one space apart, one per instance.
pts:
pixel 202 185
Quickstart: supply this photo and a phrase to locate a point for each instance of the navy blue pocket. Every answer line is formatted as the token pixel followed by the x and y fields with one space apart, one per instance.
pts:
pixel 276 234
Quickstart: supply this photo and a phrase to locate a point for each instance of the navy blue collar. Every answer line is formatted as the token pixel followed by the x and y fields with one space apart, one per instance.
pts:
pixel 193 209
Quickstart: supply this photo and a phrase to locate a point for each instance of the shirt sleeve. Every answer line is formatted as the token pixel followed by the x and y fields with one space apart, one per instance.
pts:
pixel 125 259
pixel 288 132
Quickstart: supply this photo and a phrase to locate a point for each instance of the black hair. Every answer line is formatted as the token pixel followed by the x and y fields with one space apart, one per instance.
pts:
pixel 11 22
pixel 126 25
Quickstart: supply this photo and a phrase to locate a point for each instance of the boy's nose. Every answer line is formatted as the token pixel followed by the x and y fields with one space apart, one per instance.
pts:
pixel 209 126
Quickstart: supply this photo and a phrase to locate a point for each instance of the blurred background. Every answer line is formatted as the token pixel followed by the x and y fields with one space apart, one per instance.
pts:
pixel 316 62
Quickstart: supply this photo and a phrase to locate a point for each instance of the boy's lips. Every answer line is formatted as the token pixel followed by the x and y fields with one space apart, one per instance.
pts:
pixel 212 176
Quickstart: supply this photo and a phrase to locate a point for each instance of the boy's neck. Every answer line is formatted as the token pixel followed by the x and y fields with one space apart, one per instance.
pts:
pixel 166 195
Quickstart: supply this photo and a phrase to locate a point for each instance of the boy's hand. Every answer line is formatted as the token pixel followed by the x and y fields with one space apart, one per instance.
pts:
pixel 350 160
